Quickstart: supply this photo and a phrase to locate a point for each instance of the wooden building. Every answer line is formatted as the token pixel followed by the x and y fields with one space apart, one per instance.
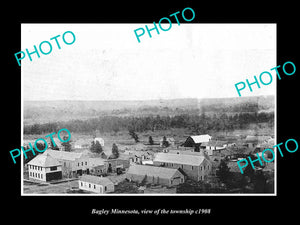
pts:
pixel 196 167
pixel 72 163
pixel 99 185
pixel 97 166
pixel 44 168
pixel 155 175
pixel 197 140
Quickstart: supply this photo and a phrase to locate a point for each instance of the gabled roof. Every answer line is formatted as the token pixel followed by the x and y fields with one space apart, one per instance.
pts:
pixel 44 160
pixel 63 155
pixel 150 171
pixel 201 138
pixel 96 180
pixel 193 160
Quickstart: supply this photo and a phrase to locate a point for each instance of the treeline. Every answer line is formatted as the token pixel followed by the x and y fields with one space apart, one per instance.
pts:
pixel 196 123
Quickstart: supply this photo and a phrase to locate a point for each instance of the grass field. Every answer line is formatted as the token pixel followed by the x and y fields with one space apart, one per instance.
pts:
pixel 123 139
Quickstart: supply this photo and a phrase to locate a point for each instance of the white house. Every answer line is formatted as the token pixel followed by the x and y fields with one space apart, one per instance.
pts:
pixel 100 140
pixel 213 146
pixel 45 168
pixel 99 185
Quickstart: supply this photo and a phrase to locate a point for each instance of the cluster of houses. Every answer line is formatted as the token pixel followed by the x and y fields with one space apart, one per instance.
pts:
pixel 168 168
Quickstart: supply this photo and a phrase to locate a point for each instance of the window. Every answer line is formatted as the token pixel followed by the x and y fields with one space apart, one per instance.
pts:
pixel 38 175
pixel 53 168
pixel 41 176
pixel 192 167
pixel 204 167
pixel 81 183
pixel 89 185
pixel 29 173
pixel 94 186
pixel 82 163
pixel 85 163
pixel 78 164
pixel 105 188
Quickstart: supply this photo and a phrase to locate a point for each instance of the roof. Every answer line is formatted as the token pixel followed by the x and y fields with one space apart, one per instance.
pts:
pixel 96 161
pixel 96 180
pixel 186 152
pixel 214 143
pixel 201 138
pixel 150 171
pixel 44 160
pixel 71 156
pixel 193 160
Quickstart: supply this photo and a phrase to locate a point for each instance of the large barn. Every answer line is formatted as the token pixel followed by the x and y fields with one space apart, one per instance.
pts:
pixel 196 140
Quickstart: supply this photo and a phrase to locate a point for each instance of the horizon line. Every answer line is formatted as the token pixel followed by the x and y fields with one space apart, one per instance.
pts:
pixel 158 99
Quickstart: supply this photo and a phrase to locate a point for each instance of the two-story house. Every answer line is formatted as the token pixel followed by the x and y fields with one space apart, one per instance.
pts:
pixel 44 168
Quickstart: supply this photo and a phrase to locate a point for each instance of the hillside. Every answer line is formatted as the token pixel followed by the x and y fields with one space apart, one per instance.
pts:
pixel 51 111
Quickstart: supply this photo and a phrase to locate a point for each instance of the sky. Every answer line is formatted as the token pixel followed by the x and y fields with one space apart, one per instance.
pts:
pixel 106 62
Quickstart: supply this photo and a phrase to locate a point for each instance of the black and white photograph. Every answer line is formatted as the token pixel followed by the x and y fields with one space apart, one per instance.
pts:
pixel 159 117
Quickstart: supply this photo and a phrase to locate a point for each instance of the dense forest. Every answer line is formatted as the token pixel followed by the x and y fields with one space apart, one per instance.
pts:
pixel 196 123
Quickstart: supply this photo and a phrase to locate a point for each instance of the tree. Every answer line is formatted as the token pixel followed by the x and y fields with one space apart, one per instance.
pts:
pixel 134 135
pixel 115 151
pixel 52 146
pixel 92 148
pixel 260 182
pixel 223 171
pixel 144 181
pixel 96 147
pixel 67 145
pixel 165 143
pixel 151 142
